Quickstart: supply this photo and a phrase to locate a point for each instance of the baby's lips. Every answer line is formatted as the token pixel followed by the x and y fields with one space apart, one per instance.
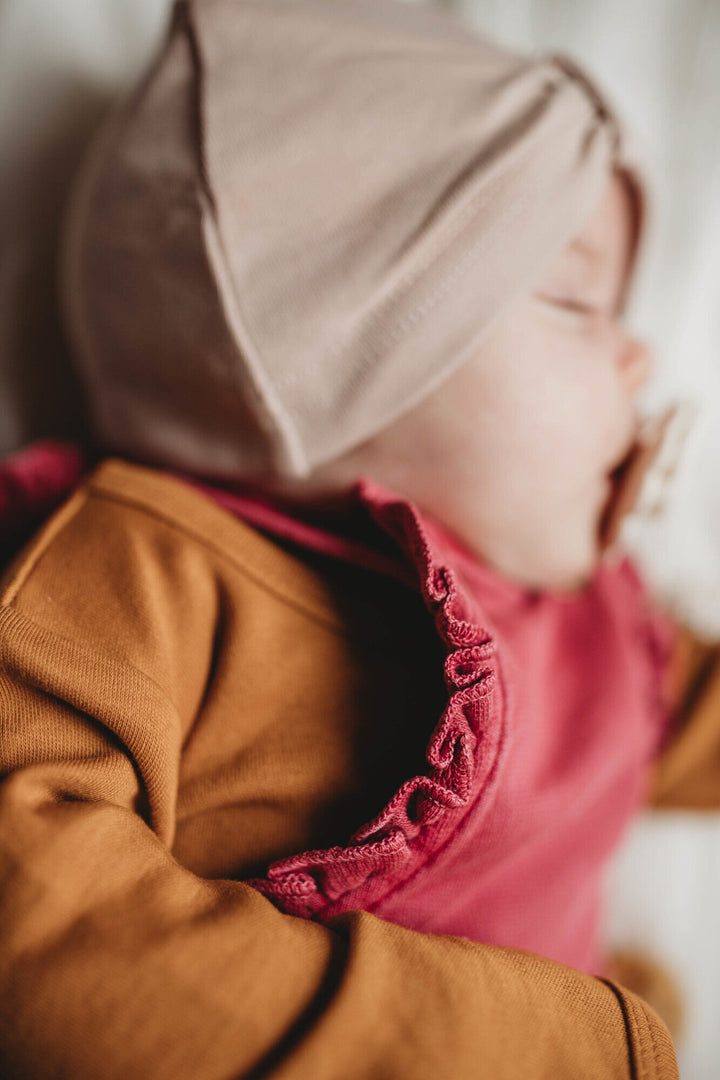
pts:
pixel 641 482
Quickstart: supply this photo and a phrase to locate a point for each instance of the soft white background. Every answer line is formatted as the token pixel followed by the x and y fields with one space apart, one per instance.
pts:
pixel 62 61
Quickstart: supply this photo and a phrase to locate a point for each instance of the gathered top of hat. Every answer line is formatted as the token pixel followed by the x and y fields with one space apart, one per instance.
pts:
pixel 308 214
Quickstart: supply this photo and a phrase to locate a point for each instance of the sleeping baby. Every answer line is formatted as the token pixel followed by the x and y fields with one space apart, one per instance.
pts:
pixel 328 692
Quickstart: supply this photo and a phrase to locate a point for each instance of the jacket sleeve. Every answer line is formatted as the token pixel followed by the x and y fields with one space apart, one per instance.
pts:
pixel 118 962
pixel 686 774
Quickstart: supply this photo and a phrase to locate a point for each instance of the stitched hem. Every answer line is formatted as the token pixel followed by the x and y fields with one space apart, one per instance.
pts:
pixel 651 1049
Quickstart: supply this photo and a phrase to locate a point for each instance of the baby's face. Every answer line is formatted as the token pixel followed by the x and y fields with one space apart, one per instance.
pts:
pixel 513 452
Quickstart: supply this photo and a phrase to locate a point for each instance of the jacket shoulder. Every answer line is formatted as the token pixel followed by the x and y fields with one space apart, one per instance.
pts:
pixel 137 568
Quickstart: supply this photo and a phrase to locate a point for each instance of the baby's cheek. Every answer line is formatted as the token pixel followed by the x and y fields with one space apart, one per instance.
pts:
pixel 591 399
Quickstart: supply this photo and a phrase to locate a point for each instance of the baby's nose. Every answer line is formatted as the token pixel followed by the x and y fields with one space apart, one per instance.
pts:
pixel 636 364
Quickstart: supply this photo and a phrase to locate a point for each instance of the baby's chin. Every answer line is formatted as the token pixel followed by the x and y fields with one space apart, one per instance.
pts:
pixel 561 567
pixel 563 583
pixel 572 582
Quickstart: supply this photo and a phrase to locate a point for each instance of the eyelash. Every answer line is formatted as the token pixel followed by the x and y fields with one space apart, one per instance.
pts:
pixel 573 307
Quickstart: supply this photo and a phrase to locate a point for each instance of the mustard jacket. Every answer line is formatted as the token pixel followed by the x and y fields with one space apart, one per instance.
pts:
pixel 147 768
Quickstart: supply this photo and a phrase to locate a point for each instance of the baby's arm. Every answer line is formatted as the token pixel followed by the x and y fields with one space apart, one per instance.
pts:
pixel 118 962
pixel 687 772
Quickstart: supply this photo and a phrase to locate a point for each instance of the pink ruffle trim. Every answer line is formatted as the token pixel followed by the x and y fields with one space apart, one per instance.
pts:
pixel 462 754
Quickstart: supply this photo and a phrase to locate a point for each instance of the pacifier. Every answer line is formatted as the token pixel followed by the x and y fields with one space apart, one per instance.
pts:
pixel 643 481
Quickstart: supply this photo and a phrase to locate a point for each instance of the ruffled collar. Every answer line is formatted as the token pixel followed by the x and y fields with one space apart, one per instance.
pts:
pixel 463 752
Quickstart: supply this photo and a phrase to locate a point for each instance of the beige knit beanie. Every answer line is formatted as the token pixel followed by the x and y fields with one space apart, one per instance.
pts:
pixel 307 215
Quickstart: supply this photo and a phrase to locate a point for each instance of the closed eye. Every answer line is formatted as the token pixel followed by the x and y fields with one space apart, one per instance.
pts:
pixel 572 306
